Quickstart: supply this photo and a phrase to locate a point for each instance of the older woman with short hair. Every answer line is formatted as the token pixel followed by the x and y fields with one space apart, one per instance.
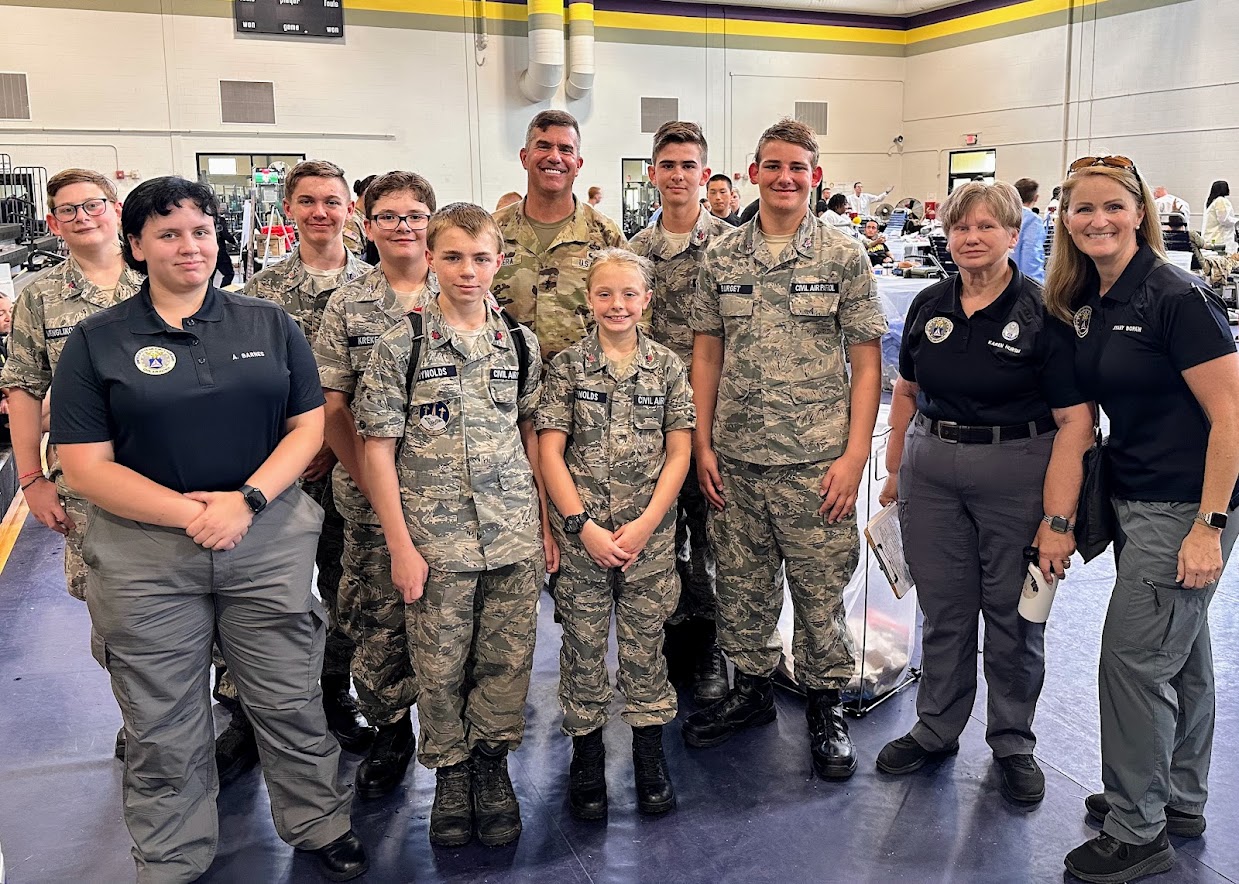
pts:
pixel 1153 347
pixel 988 430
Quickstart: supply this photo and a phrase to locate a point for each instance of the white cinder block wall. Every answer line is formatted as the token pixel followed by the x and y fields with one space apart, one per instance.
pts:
pixel 115 90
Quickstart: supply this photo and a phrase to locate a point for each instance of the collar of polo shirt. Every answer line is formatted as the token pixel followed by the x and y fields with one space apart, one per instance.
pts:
pixel 149 322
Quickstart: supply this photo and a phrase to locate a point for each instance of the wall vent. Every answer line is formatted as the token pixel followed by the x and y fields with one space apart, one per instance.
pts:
pixel 14 97
pixel 656 111
pixel 242 101
pixel 814 114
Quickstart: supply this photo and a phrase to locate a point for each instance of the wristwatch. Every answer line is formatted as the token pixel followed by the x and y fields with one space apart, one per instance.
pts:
pixel 574 524
pixel 1213 520
pixel 255 499
pixel 1058 524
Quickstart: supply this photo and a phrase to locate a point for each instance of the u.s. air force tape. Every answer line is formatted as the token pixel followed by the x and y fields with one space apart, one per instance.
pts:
pixel 649 401
pixel 434 372
pixel 504 374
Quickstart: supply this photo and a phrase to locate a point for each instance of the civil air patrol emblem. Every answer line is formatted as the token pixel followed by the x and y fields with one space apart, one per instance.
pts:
pixel 939 329
pixel 1081 321
pixel 433 417
pixel 154 360
pixel 1011 331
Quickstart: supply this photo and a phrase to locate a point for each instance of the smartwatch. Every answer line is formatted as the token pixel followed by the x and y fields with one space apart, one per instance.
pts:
pixel 255 499
pixel 574 524
pixel 1213 520
pixel 1058 524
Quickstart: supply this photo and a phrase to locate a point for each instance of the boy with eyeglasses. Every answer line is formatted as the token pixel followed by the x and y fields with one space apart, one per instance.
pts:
pixel 84 211
pixel 398 209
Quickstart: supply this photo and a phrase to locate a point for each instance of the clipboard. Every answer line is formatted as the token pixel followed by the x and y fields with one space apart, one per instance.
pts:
pixel 886 540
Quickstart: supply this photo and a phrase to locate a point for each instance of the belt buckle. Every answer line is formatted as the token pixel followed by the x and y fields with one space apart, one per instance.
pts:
pixel 948 431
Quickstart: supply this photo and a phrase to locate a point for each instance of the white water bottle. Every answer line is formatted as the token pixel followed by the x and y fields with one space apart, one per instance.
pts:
pixel 1037 595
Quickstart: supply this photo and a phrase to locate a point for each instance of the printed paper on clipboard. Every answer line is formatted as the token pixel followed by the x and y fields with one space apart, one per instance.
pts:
pixel 886 541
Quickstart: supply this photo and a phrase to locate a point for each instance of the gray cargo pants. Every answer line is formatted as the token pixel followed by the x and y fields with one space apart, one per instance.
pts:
pixel 966 514
pixel 1155 679
pixel 157 600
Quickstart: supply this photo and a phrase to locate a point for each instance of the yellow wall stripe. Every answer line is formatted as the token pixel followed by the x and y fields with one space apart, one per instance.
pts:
pixel 11 527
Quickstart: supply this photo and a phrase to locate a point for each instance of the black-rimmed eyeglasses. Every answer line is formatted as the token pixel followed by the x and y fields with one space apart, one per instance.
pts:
pixel 68 211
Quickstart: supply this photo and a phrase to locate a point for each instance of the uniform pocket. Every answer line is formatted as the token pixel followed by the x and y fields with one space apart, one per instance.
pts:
pixel 648 409
pixel 735 305
pixel 818 305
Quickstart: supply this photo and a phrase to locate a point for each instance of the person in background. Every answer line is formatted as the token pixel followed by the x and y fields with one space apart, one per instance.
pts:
pixel 875 244
pixel 508 199
pixel 859 201
pixel 595 195
pixel 6 324
pixel 1168 203
pixel 719 196
pixel 355 227
pixel 223 263
pixel 199 532
pixel 1030 247
pixel 984 459
pixel 1219 226
pixel 1153 347
pixel 836 215
pixel 1177 224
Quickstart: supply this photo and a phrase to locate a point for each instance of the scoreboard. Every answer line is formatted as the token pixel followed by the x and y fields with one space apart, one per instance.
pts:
pixel 290 18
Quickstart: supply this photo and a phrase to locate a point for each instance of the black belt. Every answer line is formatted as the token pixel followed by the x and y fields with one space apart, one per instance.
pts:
pixel 949 431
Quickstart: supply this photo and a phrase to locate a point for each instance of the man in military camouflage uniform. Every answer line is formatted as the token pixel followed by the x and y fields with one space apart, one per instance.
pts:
pixel 317 201
pixel 449 466
pixel 615 442
pixel 85 213
pixel 356 315
pixel 548 238
pixel 676 245
pixel 782 303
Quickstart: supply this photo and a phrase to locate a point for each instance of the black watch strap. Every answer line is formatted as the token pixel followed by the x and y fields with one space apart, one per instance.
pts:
pixel 255 499
pixel 574 524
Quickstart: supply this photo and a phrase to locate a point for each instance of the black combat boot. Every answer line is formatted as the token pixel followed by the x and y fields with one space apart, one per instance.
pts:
pixel 495 808
pixel 834 755
pixel 119 751
pixel 236 750
pixel 343 859
pixel 587 777
pixel 748 704
pixel 343 719
pixel 654 792
pixel 385 765
pixel 451 816
pixel 710 677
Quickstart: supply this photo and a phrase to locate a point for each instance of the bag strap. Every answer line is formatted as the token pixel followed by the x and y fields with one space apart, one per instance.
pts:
pixel 523 355
pixel 413 324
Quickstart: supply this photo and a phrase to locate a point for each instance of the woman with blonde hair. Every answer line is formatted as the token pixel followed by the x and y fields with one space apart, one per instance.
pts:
pixel 1153 348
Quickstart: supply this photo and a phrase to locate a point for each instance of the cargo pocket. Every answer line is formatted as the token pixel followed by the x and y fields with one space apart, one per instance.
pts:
pixel 816 305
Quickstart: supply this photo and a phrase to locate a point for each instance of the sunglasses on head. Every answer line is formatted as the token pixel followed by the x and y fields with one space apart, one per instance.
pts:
pixel 1112 162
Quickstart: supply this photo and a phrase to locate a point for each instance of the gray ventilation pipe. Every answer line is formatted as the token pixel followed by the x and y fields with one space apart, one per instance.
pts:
pixel 541 79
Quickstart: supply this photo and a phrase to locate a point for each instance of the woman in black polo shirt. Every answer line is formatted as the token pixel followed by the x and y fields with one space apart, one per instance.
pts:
pixel 1153 348
pixel 987 432
pixel 185 416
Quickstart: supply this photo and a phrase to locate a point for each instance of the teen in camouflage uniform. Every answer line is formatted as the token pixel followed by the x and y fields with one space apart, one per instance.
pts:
pixel 449 469
pixel 781 304
pixel 317 201
pixel 47 310
pixel 356 315
pixel 615 427
pixel 549 238
pixel 676 246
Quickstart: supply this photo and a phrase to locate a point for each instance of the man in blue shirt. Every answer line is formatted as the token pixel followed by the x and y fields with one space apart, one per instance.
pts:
pixel 1030 247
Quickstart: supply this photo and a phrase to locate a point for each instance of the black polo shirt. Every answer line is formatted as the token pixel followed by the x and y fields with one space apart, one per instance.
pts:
pixel 1005 364
pixel 1131 349
pixel 193 409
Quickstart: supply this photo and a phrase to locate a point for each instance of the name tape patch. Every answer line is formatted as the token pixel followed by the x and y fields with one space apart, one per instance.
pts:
pixel 434 372
pixel 735 288
pixel 362 340
pixel 811 288
pixel 590 396
pixel 54 334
